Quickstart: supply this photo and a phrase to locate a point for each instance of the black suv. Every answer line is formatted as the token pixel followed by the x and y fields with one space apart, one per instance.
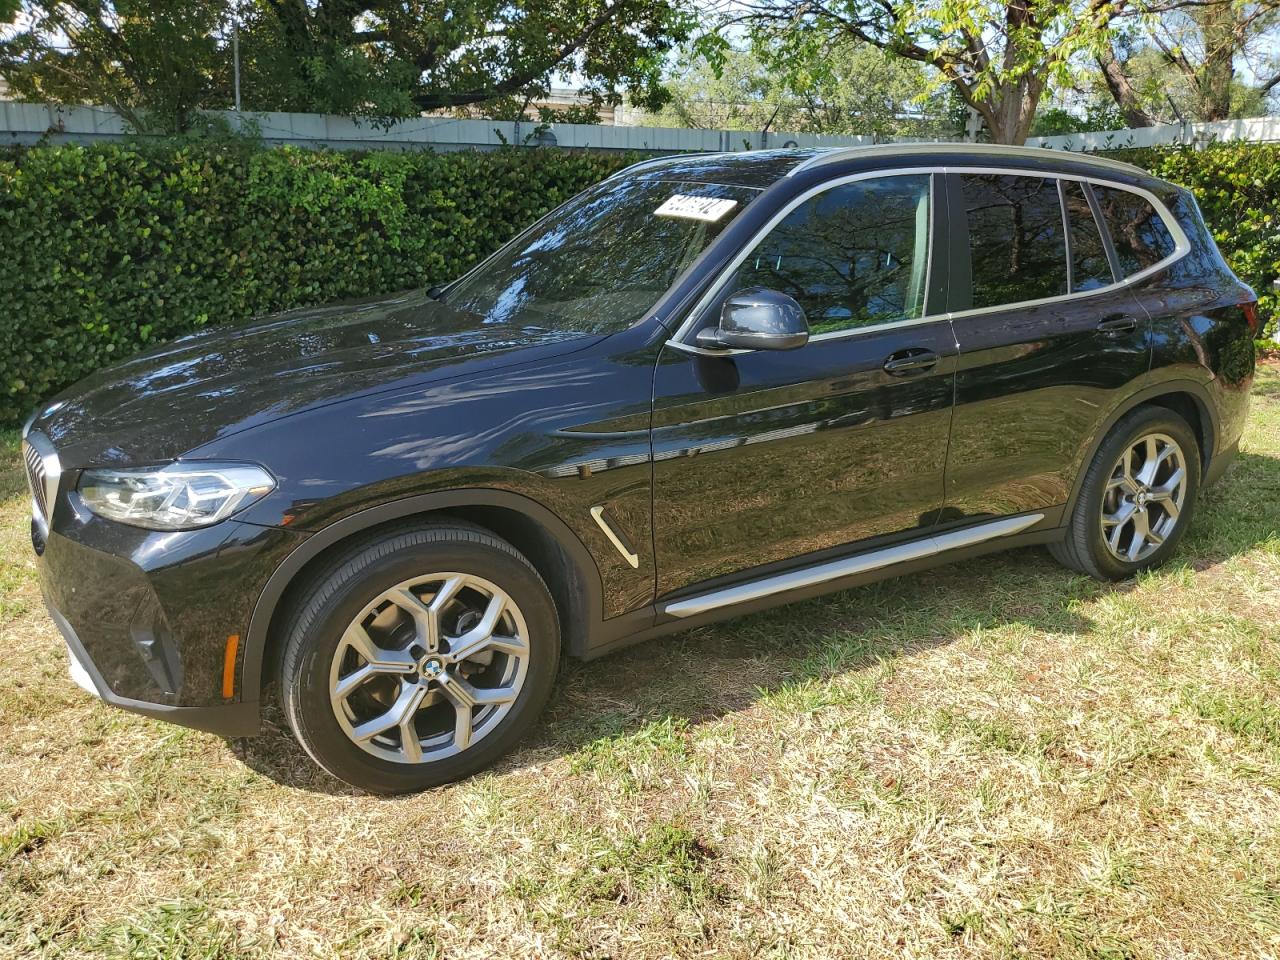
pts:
pixel 706 385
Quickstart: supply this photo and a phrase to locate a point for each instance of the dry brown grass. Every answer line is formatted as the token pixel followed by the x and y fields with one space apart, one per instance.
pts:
pixel 993 759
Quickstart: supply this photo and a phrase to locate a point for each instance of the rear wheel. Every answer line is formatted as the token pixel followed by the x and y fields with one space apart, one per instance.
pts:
pixel 419 657
pixel 1137 497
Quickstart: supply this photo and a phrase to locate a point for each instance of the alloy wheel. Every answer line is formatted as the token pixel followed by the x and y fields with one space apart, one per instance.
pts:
pixel 1144 497
pixel 429 667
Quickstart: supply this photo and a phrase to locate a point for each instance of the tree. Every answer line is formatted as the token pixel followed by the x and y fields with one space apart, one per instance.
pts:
pixel 424 55
pixel 999 56
pixel 387 59
pixel 154 61
pixel 852 89
pixel 1184 61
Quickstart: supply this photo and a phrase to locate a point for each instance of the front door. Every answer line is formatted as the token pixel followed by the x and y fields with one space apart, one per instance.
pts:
pixel 764 456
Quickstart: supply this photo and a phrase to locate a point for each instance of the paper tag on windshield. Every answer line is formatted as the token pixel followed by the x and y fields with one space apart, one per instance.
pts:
pixel 682 205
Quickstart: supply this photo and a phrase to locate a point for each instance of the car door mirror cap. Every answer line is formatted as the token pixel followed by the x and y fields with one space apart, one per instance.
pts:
pixel 758 319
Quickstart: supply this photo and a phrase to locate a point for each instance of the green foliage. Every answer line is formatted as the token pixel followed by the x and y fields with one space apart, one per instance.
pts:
pixel 437 56
pixel 158 62
pixel 851 87
pixel 1238 188
pixel 155 62
pixel 111 248
pixel 1056 122
pixel 999 56
pixel 574 113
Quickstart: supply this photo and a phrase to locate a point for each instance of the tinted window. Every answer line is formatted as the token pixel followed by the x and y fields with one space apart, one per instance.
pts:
pixel 1089 266
pixel 602 261
pixel 1137 232
pixel 853 256
pixel 1016 244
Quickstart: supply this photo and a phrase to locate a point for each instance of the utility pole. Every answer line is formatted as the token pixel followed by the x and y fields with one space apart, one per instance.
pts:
pixel 235 50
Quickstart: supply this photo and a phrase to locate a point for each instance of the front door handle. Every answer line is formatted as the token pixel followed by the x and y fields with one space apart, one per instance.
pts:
pixel 915 360
pixel 1117 324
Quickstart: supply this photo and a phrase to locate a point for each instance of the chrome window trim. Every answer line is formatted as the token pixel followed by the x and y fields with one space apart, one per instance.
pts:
pixel 1182 246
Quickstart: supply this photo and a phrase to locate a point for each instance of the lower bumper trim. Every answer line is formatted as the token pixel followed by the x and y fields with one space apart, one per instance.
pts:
pixel 226 719
pixel 78 672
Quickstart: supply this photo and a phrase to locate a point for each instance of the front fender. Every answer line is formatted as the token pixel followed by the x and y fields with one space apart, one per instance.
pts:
pixel 589 605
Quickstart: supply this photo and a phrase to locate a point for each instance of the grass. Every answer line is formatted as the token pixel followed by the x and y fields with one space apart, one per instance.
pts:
pixel 995 759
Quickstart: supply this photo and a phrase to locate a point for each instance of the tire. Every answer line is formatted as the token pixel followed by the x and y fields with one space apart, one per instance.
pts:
pixel 362 654
pixel 1112 555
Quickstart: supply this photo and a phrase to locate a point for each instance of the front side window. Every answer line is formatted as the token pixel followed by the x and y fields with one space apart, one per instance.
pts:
pixel 1138 233
pixel 600 263
pixel 1017 248
pixel 856 255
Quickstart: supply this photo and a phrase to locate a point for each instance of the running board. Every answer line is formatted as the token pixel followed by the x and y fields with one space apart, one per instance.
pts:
pixel 930 546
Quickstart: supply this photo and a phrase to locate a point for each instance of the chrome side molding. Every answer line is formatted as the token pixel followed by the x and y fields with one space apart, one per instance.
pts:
pixel 597 514
pixel 848 566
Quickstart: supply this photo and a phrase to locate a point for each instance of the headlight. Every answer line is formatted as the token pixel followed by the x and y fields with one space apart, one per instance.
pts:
pixel 181 496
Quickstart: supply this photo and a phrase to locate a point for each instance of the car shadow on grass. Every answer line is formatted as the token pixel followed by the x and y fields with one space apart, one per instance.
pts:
pixel 788 654
pixel 713 671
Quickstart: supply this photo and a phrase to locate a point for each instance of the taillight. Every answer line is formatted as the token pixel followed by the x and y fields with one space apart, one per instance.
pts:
pixel 1250 308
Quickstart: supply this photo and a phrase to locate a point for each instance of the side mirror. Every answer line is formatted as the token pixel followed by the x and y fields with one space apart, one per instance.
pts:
pixel 758 319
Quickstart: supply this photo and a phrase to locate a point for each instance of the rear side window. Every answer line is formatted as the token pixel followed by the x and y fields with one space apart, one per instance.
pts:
pixel 1017 247
pixel 1090 268
pixel 1138 233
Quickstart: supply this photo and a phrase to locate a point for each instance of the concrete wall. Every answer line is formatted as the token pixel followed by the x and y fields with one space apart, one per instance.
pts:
pixel 1257 130
pixel 27 123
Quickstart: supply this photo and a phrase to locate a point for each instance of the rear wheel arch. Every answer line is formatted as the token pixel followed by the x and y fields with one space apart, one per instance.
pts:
pixel 1196 413
pixel 550 545
pixel 1187 398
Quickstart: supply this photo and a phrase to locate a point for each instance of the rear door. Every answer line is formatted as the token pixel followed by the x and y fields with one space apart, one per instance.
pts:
pixel 1049 341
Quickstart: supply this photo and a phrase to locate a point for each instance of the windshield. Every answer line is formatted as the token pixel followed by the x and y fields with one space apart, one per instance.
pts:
pixel 598 264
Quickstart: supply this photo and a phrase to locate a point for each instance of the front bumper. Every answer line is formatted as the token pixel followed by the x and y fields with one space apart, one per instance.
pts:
pixel 235 719
pixel 148 616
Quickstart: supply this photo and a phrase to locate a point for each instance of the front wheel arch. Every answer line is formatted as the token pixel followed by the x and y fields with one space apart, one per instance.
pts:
pixel 514 517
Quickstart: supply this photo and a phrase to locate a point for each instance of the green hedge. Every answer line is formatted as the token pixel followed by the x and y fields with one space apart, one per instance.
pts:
pixel 1238 188
pixel 111 248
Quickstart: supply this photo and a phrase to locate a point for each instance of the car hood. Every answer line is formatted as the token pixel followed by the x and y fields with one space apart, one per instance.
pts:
pixel 166 402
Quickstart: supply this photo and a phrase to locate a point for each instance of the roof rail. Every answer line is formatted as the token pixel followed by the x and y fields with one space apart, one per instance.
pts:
pixel 836 154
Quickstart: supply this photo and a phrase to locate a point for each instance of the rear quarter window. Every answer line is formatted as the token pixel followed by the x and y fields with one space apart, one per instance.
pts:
pixel 1138 233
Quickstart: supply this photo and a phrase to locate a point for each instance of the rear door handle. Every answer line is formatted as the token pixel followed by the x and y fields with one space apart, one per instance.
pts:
pixel 915 360
pixel 1119 323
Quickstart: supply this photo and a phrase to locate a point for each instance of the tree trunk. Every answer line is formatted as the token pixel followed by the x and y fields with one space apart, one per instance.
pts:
pixel 1013 110
pixel 1122 91
pixel 1217 27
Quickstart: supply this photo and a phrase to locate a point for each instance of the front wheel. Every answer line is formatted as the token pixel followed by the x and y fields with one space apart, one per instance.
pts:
pixel 419 658
pixel 1137 497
